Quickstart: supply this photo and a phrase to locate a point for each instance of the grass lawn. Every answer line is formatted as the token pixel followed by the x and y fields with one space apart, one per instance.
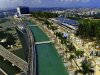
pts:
pixel 20 53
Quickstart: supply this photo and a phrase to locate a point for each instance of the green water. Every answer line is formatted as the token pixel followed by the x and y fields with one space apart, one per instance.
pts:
pixel 38 34
pixel 48 60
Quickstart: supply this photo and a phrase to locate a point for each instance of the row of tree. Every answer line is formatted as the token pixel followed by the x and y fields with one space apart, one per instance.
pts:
pixel 89 29
pixel 3 20
pixel 44 14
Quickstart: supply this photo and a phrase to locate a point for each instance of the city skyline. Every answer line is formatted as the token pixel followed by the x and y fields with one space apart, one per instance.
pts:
pixel 49 3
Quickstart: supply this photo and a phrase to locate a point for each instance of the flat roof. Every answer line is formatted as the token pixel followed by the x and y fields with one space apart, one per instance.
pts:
pixel 67 21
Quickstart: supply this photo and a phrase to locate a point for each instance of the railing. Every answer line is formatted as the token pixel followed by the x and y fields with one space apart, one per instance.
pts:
pixel 15 60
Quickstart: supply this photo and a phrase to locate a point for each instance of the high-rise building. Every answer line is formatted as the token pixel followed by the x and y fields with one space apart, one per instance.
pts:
pixel 22 10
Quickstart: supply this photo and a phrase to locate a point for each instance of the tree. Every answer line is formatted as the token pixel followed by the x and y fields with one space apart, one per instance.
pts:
pixel 10 40
pixel 86 66
pixel 58 34
pixel 97 33
pixel 79 53
pixel 71 58
pixel 1 27
pixel 44 14
pixel 89 29
pixel 2 35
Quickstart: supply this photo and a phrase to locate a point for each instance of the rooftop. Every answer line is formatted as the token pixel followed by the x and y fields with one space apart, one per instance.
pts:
pixel 68 21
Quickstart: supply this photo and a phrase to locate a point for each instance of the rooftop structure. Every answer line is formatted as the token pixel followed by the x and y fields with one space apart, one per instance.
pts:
pixel 21 10
pixel 73 24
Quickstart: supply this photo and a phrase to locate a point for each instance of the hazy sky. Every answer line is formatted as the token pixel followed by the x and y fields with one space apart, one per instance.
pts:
pixel 49 3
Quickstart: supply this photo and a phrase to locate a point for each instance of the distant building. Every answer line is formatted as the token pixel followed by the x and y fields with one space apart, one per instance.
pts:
pixel 73 24
pixel 23 10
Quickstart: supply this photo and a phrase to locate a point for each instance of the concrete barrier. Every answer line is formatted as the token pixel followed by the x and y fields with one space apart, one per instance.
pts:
pixel 15 60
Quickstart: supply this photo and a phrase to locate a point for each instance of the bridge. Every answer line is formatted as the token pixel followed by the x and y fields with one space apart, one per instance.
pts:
pixel 15 60
pixel 44 42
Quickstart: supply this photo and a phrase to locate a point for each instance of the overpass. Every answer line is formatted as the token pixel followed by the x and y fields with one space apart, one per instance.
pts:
pixel 15 60
pixel 47 61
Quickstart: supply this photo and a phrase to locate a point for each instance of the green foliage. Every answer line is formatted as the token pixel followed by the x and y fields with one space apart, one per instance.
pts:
pixel 54 28
pixel 2 35
pixel 9 29
pixel 11 40
pixel 1 27
pixel 86 66
pixel 88 29
pixel 3 20
pixel 44 14
pixel 59 34
pixel 71 47
pixel 63 41
pixel 96 16
pixel 74 17
pixel 71 57
pixel 79 53
pixel 47 22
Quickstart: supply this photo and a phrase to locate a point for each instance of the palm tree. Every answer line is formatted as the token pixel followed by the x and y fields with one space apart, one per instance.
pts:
pixel 86 66
pixel 79 53
pixel 71 58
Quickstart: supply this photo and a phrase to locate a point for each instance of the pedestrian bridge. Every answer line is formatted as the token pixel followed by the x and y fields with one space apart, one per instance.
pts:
pixel 44 42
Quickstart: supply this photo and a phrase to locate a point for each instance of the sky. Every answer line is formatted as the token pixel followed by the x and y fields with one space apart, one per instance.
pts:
pixel 49 3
